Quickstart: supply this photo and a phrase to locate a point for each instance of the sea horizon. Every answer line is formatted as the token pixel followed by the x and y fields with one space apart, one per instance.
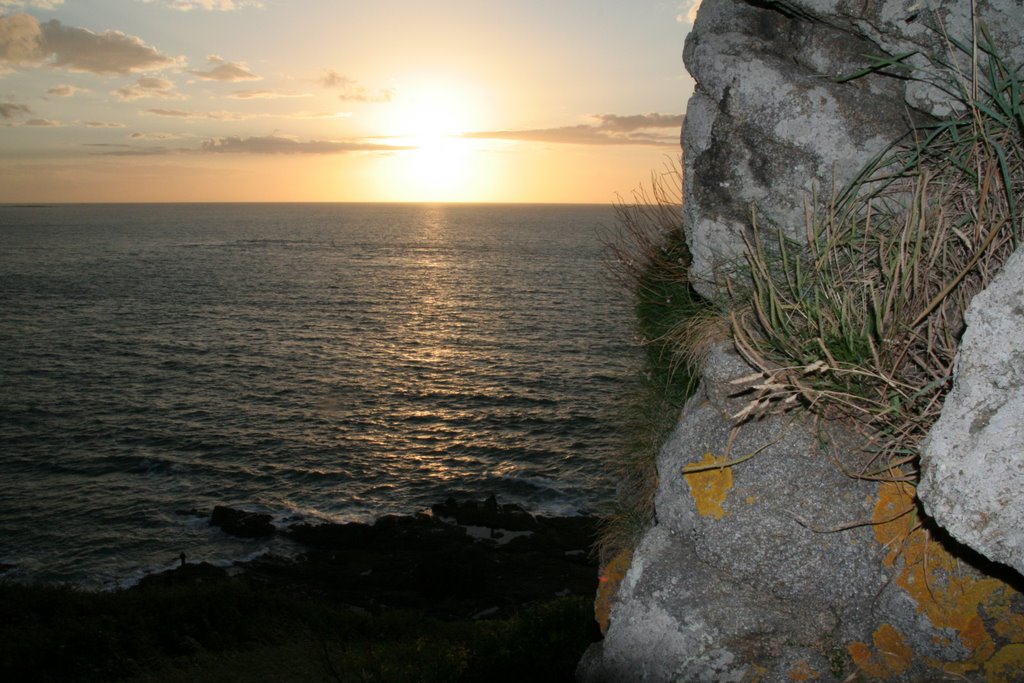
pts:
pixel 610 203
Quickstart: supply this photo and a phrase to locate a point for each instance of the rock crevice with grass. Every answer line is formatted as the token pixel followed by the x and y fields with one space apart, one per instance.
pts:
pixel 854 177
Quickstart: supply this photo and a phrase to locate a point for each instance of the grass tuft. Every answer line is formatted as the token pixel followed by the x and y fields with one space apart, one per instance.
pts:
pixel 864 318
pixel 674 326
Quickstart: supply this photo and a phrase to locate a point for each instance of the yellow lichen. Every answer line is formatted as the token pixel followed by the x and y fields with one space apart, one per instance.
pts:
pixel 950 597
pixel 1008 624
pixel 892 655
pixel 1007 665
pixel 803 671
pixel 608 585
pixel 710 486
pixel 892 649
pixel 864 660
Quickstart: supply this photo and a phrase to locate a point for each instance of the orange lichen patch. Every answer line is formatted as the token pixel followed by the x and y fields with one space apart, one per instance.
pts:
pixel 608 586
pixel 802 671
pixel 864 660
pixel 710 486
pixel 1007 665
pixel 892 649
pixel 1008 624
pixel 892 655
pixel 950 597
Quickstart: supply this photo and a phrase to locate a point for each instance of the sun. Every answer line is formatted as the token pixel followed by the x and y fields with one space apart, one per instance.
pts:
pixel 440 165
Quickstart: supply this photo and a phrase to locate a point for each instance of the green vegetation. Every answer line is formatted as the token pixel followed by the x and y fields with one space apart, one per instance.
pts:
pixel 228 630
pixel 864 318
pixel 650 258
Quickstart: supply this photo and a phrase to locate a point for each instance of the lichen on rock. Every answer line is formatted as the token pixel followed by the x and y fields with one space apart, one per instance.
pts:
pixel 709 485
pixel 804 568
pixel 781 567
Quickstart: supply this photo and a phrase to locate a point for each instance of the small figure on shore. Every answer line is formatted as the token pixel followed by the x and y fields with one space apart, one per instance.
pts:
pixel 182 558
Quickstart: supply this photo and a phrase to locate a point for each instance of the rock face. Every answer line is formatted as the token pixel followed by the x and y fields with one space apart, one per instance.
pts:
pixel 780 567
pixel 973 458
pixel 768 124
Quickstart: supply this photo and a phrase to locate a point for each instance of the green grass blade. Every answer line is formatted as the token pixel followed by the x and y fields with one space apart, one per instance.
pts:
pixel 878 63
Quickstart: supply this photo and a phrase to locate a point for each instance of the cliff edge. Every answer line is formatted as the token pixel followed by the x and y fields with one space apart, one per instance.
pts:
pixel 767 562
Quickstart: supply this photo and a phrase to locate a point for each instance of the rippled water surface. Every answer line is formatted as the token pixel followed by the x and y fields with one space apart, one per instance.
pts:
pixel 333 361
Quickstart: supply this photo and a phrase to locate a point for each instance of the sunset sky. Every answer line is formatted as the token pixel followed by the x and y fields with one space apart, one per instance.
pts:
pixel 336 100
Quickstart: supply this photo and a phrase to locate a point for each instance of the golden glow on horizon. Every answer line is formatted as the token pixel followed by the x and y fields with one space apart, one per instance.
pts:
pixel 341 101
pixel 439 169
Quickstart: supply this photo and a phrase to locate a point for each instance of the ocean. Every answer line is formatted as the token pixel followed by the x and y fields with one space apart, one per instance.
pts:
pixel 313 361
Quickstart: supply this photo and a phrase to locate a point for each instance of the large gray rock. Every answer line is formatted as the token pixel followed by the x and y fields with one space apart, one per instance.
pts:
pixel 768 125
pixel 973 457
pixel 753 571
pixel 780 567
pixel 922 30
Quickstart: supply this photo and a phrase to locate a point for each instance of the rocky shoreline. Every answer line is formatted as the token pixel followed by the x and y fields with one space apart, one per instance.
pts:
pixel 456 561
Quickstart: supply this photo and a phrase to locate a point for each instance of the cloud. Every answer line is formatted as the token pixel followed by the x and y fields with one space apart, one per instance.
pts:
pixel 20 38
pixel 688 11
pixel 221 70
pixel 263 95
pixel 154 136
pixel 273 144
pixel 65 90
pixel 239 116
pixel 214 115
pixel 352 91
pixel 318 115
pixel 627 124
pixel 38 4
pixel 110 52
pixel 42 123
pixel 148 86
pixel 333 79
pixel 102 124
pixel 211 5
pixel 609 129
pixel 10 110
pixel 122 150
pixel 178 113
pixel 26 42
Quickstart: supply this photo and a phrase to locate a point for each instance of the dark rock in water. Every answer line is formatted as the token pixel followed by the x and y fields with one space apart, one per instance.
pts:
pixel 466 560
pixel 241 523
pixel 441 563
pixel 488 514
